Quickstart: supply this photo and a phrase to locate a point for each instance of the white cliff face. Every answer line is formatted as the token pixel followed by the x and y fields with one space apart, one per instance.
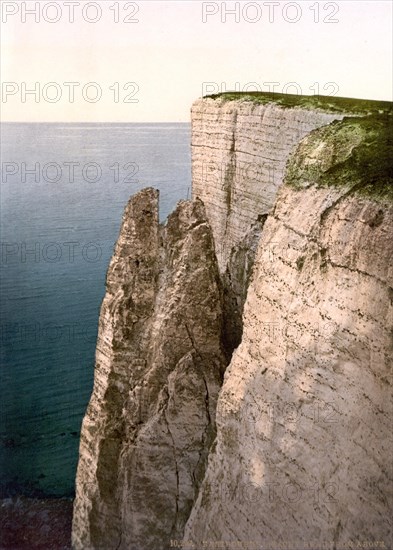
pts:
pixel 304 419
pixel 151 418
pixel 239 152
pixel 302 457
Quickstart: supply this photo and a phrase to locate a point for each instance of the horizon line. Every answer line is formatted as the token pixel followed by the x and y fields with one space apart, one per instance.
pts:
pixel 89 122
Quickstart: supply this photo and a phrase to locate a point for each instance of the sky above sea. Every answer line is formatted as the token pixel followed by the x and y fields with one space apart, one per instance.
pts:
pixel 149 60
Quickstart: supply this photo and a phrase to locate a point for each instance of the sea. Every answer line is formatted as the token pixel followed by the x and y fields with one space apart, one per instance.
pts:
pixel 63 191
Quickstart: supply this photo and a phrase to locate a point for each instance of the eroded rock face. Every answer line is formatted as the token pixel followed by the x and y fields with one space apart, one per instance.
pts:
pixel 236 280
pixel 159 364
pixel 239 153
pixel 304 419
pixel 302 456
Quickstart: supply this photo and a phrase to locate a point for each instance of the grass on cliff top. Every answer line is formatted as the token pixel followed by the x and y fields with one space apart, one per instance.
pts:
pixel 356 152
pixel 327 103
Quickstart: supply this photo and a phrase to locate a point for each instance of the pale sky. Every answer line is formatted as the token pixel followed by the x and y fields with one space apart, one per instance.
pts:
pixel 170 52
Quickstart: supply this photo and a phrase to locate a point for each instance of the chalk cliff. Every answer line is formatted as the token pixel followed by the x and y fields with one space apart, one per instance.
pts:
pixel 240 147
pixel 239 152
pixel 292 222
pixel 303 452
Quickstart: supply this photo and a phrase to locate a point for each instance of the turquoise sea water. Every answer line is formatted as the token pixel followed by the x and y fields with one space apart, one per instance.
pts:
pixel 63 191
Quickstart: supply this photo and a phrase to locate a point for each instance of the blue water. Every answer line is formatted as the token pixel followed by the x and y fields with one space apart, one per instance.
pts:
pixel 58 229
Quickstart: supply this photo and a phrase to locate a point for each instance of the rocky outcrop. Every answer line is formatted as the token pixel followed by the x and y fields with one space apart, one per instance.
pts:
pixel 304 443
pixel 240 147
pixel 159 364
pixel 239 152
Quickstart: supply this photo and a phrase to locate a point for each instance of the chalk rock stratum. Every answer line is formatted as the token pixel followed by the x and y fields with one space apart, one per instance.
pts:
pixel 303 454
pixel 239 152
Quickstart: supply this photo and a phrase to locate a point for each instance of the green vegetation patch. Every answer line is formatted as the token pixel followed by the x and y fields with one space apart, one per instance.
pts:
pixel 356 152
pixel 331 104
